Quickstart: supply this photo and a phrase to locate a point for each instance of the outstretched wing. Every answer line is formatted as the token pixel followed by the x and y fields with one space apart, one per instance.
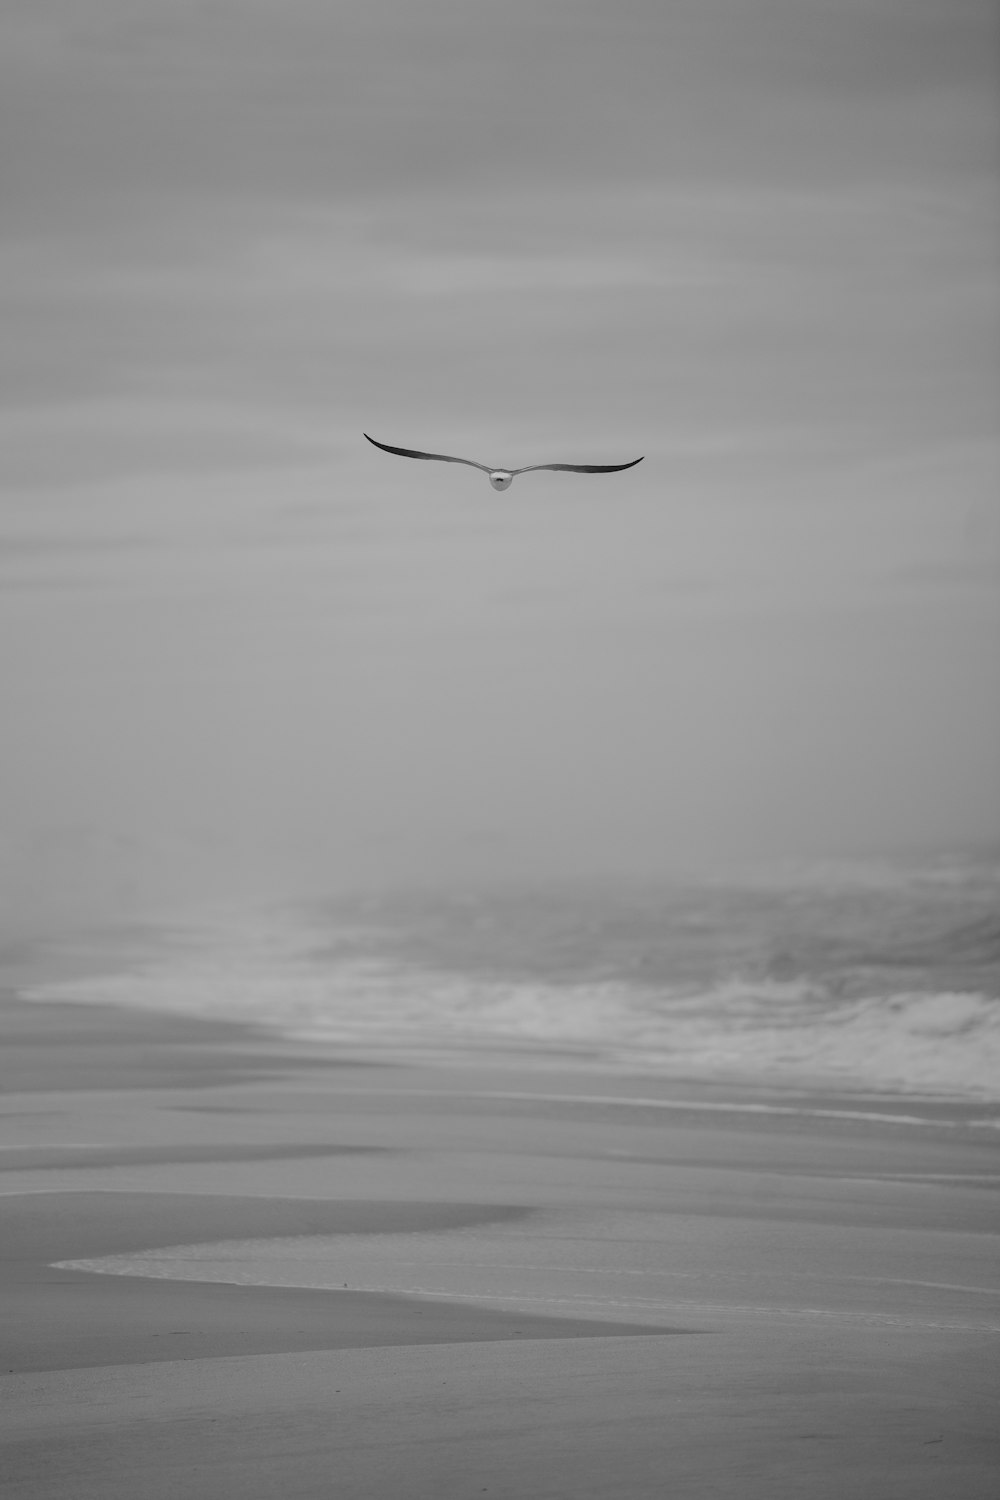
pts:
pixel 582 468
pixel 445 458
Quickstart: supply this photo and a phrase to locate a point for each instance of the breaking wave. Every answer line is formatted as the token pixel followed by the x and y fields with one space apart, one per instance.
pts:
pixel 874 984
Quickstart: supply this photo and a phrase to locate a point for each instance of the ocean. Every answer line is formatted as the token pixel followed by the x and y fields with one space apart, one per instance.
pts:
pixel 871 976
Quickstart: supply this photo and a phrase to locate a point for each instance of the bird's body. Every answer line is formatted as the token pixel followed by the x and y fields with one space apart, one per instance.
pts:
pixel 501 479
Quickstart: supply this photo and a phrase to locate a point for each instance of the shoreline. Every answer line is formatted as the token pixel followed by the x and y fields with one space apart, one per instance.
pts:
pixel 260 1048
pixel 536 1271
pixel 426 988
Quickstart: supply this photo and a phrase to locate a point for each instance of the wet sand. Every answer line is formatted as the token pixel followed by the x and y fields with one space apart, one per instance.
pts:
pixel 347 1275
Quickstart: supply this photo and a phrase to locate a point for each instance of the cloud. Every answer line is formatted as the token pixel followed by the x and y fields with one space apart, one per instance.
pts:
pixel 861 311
pixel 961 574
pixel 752 239
pixel 75 443
pixel 110 104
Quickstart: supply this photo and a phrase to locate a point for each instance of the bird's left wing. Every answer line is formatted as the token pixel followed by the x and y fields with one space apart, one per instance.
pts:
pixel 445 458
pixel 582 468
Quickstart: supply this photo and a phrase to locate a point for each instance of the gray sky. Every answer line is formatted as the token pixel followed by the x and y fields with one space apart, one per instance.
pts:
pixel 754 240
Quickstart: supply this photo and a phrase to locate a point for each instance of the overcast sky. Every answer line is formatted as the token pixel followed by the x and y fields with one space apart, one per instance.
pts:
pixel 753 240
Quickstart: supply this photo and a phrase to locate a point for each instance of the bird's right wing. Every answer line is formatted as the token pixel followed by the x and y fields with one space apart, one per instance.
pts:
pixel 445 458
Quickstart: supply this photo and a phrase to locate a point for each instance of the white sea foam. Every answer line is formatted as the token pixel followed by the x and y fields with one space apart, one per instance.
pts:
pixel 290 971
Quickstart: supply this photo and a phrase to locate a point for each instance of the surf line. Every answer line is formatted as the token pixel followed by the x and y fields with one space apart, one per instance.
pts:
pixel 687 1105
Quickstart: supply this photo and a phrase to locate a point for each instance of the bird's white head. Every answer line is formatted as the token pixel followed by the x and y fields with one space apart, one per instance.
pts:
pixel 501 479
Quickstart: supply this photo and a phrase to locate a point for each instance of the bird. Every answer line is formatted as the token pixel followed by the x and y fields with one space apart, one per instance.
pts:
pixel 501 479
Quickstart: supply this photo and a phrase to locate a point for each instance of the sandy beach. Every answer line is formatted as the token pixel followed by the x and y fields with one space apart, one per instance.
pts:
pixel 239 1266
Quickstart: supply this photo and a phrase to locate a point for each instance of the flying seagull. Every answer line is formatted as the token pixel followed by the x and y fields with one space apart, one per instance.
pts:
pixel 501 479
